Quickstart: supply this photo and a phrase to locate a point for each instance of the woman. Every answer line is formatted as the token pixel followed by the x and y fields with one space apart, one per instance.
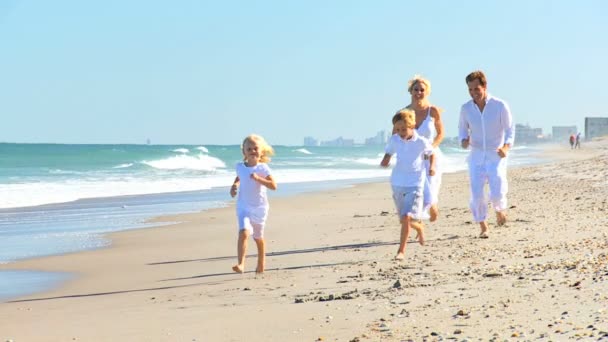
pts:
pixel 428 125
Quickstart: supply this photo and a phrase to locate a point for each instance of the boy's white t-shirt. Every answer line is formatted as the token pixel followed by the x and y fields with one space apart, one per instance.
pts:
pixel 409 168
pixel 251 193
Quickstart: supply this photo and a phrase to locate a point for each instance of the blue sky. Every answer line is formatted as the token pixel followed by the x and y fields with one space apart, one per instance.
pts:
pixel 211 72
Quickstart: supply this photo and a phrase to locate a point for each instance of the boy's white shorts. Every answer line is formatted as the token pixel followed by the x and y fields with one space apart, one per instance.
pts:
pixel 408 201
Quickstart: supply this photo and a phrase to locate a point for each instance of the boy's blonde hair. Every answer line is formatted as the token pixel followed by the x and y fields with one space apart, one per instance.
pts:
pixel 266 151
pixel 419 79
pixel 407 115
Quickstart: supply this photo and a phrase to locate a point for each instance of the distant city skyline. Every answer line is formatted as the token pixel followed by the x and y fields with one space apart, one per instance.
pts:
pixel 191 72
pixel 523 133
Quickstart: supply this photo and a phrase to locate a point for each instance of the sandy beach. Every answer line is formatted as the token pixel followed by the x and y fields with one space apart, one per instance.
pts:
pixel 331 274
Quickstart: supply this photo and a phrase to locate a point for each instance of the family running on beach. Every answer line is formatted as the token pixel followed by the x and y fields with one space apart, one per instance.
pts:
pixel 486 126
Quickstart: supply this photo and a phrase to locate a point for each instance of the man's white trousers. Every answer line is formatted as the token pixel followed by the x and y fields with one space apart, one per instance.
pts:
pixel 491 170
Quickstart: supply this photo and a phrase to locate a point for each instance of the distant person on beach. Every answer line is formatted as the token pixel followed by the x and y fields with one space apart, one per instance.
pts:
pixel 572 140
pixel 253 177
pixel 578 140
pixel 430 126
pixel 408 175
pixel 486 125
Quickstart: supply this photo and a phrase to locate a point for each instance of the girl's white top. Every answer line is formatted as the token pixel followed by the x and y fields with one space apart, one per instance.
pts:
pixel 409 168
pixel 251 193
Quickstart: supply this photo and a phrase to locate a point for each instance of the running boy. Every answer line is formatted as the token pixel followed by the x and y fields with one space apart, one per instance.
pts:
pixel 407 177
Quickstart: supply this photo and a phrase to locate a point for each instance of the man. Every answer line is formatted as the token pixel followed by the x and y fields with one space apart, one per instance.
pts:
pixel 486 126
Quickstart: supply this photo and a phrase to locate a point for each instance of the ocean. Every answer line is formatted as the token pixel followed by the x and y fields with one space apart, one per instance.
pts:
pixel 62 198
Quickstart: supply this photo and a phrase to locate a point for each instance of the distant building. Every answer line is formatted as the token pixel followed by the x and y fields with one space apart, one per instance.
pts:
pixel 310 141
pixel 563 132
pixel 338 142
pixel 379 139
pixel 526 134
pixel 595 127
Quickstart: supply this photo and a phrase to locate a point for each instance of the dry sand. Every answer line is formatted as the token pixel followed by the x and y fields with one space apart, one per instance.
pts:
pixel 330 274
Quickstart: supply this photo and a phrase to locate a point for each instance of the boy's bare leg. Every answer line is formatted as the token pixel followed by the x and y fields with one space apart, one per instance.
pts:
pixel 241 247
pixel 261 255
pixel 501 218
pixel 419 227
pixel 405 233
pixel 484 230
pixel 434 212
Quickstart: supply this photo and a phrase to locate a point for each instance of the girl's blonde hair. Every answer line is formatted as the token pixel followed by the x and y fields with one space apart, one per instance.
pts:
pixel 419 79
pixel 266 151
pixel 406 115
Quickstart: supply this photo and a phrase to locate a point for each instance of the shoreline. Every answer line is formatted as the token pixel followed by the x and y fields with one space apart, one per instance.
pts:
pixel 189 207
pixel 339 249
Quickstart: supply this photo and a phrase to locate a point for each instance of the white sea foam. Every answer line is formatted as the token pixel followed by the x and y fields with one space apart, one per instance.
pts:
pixel 330 162
pixel 368 161
pixel 452 162
pixel 123 166
pixel 63 172
pixel 203 149
pixel 307 175
pixel 181 150
pixel 200 163
pixel 303 150
pixel 29 194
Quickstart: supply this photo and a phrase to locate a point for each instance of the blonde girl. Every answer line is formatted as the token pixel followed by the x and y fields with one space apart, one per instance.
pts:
pixel 252 180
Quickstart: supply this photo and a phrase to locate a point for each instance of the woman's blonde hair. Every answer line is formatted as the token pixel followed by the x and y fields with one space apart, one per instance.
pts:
pixel 266 151
pixel 419 79
pixel 406 115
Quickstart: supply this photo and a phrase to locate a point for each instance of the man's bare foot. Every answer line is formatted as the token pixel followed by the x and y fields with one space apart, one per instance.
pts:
pixel 484 230
pixel 400 256
pixel 259 270
pixel 237 268
pixel 419 228
pixel 434 212
pixel 501 218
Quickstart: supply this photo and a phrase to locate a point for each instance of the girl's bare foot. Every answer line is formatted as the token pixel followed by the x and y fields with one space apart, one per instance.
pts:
pixel 400 256
pixel 434 212
pixel 237 268
pixel 259 270
pixel 419 228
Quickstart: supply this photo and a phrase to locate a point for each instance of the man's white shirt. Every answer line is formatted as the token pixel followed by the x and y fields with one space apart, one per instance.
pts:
pixel 487 131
